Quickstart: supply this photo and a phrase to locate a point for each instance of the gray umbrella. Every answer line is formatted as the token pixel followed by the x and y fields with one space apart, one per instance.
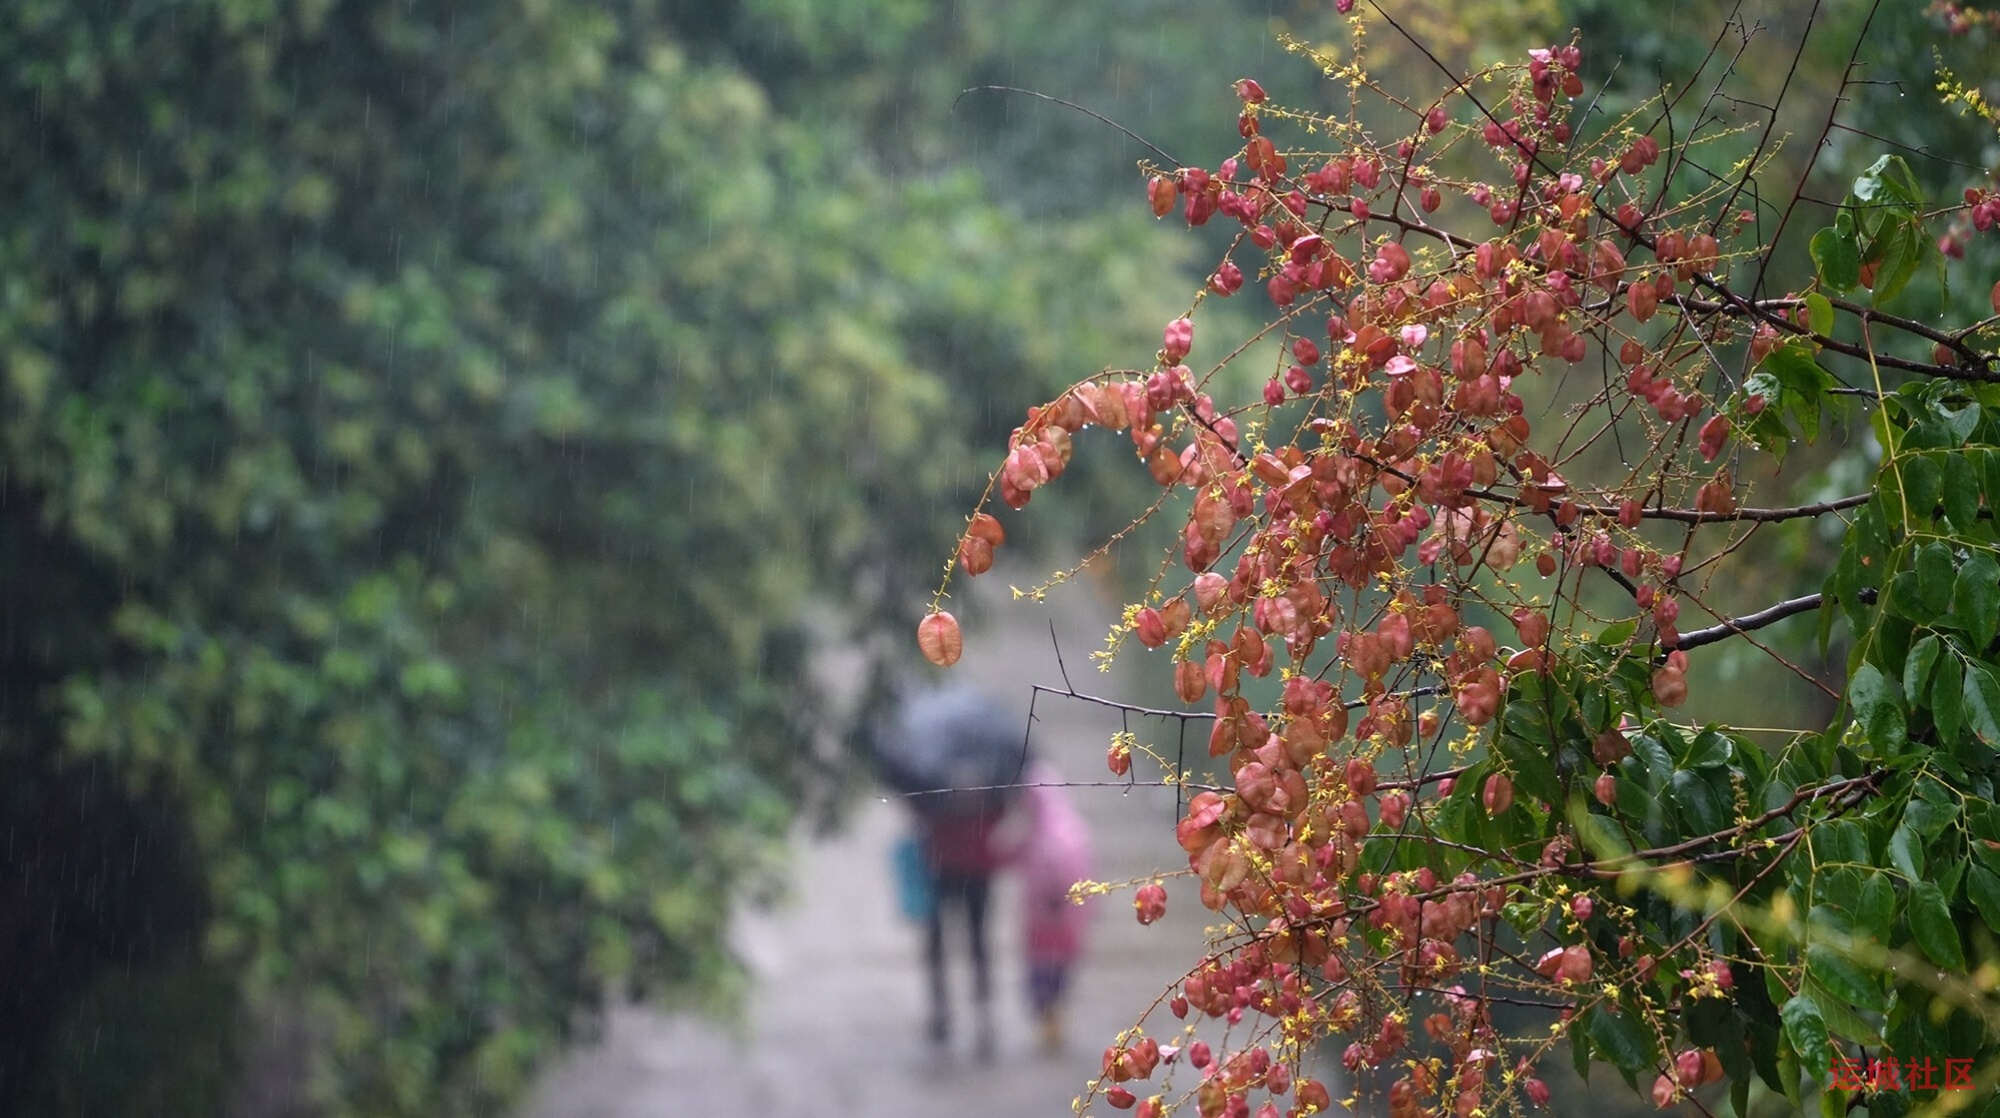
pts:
pixel 954 751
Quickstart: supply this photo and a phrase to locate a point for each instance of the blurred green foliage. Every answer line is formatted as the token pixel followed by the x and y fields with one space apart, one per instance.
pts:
pixel 426 431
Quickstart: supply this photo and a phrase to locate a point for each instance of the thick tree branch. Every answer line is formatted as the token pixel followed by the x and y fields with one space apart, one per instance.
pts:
pixel 1751 622
pixel 1733 304
pixel 1699 516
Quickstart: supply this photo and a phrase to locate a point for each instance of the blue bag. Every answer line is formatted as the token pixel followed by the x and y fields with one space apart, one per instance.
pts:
pixel 913 878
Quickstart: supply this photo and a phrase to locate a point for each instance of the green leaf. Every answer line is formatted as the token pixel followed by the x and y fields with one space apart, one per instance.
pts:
pixel 1598 834
pixel 1843 977
pixel 1841 1019
pixel 1983 886
pixel 1931 926
pixel 1975 599
pixel 1840 841
pixel 1819 310
pixel 1878 708
pixel 1767 428
pixel 1829 919
pixel 1948 878
pixel 1961 422
pixel 1806 1029
pixel 1929 815
pixel 1804 382
pixel 1961 490
pixel 1905 600
pixel 1709 750
pixel 1765 1042
pixel 1617 633
pixel 1704 811
pixel 1579 1053
pixel 1652 757
pixel 1906 852
pixel 1902 251
pixel 1622 1039
pixel 1836 260
pixel 1947 699
pixel 1982 702
pixel 1918 666
pixel 1923 480
pixel 1876 907
pixel 1532 771
pixel 1887 181
pixel 1936 575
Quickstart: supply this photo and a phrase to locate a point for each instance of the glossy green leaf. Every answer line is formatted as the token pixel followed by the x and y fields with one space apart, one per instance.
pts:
pixel 1932 810
pixel 1767 428
pixel 1981 694
pixel 1805 1028
pixel 1961 489
pixel 1877 706
pixel 1842 1019
pixel 1936 573
pixel 1975 598
pixel 1906 852
pixel 1766 1037
pixel 1918 666
pixel 1620 1038
pixel 1923 481
pixel 1836 260
pixel 1598 834
pixel 1528 744
pixel 1875 909
pixel 1889 183
pixel 1652 757
pixel 1901 251
pixel 1983 887
pixel 1931 926
pixel 1579 1054
pixel 1819 310
pixel 1847 979
pixel 1710 749
pixel 1700 806
pixel 1960 420
pixel 1988 462
pixel 1840 841
pixel 1803 381
pixel 1947 700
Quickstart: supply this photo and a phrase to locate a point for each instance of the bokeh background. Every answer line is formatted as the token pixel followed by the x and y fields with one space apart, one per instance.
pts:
pixel 468 471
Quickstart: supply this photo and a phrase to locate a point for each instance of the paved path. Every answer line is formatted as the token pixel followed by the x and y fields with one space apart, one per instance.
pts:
pixel 833 1026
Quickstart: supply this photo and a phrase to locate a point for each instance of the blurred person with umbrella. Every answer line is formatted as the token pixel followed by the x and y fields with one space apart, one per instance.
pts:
pixel 957 760
pixel 1054 857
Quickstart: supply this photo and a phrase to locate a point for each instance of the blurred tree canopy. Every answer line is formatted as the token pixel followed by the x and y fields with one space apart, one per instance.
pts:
pixel 427 430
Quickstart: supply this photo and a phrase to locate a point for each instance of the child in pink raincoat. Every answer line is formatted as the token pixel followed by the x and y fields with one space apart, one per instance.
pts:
pixel 1054 854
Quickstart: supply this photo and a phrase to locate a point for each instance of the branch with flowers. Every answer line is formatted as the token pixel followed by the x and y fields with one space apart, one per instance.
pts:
pixel 1437 561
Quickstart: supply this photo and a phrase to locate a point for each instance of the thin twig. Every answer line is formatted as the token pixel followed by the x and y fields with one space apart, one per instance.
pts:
pixel 1092 113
